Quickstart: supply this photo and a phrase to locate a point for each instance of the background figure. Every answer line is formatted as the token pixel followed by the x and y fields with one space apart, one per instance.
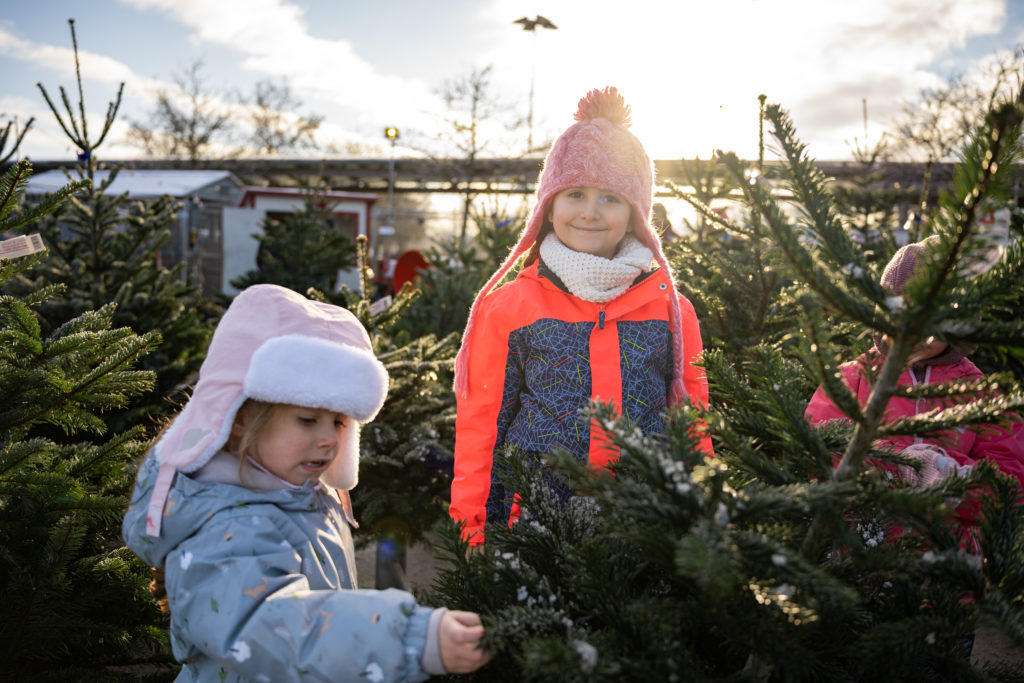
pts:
pixel 661 223
pixel 950 453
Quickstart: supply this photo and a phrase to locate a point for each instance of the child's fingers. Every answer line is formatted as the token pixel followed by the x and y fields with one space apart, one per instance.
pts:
pixel 460 642
pixel 466 618
pixel 469 627
pixel 465 660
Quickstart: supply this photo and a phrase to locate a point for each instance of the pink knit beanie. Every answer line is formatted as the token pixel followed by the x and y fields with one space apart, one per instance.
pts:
pixel 904 263
pixel 597 151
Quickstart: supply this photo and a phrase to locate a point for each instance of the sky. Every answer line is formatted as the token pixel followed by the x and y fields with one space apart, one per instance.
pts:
pixel 691 71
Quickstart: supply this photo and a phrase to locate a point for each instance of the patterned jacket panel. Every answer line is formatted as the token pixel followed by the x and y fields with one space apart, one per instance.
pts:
pixel 547 383
pixel 646 368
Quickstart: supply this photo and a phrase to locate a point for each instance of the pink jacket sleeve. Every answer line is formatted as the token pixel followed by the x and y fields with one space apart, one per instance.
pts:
pixel 1003 447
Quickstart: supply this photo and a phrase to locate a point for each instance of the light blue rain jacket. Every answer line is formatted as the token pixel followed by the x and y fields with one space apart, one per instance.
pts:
pixel 261 585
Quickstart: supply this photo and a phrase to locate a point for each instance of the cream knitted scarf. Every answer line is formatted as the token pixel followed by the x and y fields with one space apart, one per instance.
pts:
pixel 595 278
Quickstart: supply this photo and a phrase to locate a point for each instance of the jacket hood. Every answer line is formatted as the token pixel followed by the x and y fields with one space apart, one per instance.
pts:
pixel 205 499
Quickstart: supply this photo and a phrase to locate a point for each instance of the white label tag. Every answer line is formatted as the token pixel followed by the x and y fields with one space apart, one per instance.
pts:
pixel 22 245
pixel 380 304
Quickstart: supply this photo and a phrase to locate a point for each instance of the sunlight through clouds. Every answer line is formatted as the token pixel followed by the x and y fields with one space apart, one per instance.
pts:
pixel 693 70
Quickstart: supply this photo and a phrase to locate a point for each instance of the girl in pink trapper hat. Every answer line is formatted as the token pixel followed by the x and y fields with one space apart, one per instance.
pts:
pixel 243 503
pixel 593 315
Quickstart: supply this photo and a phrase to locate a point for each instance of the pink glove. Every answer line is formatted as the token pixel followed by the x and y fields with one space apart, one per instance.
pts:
pixel 935 465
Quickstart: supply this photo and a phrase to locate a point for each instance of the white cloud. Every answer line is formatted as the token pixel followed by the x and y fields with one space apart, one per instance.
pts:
pixel 275 41
pixel 62 60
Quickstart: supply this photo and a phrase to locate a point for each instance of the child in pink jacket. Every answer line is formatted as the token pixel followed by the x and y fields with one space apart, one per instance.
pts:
pixel 949 453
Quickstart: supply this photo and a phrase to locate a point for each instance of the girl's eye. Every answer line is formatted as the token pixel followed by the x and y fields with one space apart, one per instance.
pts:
pixel 575 194
pixel 340 422
pixel 307 420
pixel 611 198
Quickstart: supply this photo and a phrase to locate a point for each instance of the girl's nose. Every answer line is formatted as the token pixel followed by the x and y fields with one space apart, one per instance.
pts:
pixel 592 207
pixel 328 436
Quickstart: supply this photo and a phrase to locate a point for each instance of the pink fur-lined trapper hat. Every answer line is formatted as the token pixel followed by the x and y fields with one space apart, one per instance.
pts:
pixel 597 151
pixel 277 346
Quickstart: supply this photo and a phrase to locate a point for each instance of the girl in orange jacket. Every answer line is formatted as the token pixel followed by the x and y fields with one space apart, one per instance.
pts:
pixel 588 318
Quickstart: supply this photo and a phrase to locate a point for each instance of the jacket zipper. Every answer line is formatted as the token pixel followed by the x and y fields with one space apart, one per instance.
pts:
pixel 600 320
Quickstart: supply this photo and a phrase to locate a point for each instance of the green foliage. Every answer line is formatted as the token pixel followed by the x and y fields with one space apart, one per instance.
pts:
pixel 669 572
pixel 104 249
pixel 790 556
pixel 301 249
pixel 74 598
pixel 12 190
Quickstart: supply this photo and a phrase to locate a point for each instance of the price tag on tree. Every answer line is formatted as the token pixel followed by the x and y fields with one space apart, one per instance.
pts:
pixel 23 245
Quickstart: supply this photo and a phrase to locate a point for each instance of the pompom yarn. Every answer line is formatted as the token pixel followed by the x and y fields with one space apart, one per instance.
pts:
pixel 604 104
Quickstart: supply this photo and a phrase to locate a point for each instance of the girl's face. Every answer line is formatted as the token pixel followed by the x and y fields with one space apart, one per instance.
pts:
pixel 296 444
pixel 590 220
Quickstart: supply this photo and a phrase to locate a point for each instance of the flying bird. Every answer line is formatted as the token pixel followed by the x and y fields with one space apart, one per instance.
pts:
pixel 532 24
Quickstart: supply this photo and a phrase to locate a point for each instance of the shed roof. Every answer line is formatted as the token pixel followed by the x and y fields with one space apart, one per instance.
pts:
pixel 145 184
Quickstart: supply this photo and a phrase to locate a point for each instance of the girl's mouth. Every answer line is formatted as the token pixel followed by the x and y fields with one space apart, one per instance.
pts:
pixel 316 464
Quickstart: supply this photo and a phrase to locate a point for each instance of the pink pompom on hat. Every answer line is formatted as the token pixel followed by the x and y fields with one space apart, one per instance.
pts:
pixel 277 346
pixel 597 151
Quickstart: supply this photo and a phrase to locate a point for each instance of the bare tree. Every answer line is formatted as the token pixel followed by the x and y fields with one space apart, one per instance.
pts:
pixel 940 121
pixel 276 126
pixel 472 105
pixel 187 120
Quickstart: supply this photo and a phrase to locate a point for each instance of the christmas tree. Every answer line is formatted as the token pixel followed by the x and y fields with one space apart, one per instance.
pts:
pixel 301 250
pixel 737 282
pixel 104 249
pixel 872 205
pixel 406 465
pixel 776 561
pixel 74 598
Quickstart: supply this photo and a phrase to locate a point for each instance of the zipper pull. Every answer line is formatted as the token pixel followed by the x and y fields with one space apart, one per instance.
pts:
pixel 600 320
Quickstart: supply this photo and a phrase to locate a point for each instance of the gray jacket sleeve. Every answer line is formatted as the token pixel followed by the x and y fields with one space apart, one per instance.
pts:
pixel 239 601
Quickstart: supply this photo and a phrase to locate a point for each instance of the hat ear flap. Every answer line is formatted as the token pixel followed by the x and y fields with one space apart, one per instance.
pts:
pixel 343 473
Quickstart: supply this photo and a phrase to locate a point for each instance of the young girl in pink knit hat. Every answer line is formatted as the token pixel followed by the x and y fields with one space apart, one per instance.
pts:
pixel 243 504
pixel 592 316
pixel 948 454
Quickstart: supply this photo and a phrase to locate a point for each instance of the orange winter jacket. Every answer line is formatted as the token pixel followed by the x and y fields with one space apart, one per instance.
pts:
pixel 539 356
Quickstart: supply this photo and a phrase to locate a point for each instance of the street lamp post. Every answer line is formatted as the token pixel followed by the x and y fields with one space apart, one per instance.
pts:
pixel 391 133
pixel 531 26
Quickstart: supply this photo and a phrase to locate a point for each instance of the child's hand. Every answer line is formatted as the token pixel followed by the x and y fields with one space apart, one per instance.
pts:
pixel 935 465
pixel 459 637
